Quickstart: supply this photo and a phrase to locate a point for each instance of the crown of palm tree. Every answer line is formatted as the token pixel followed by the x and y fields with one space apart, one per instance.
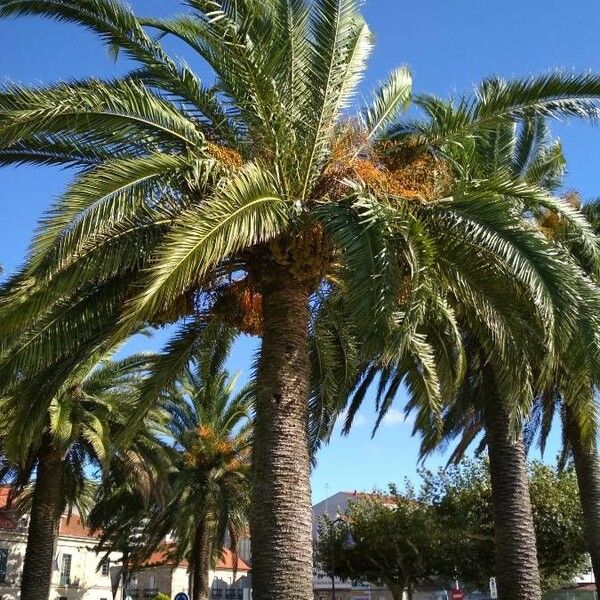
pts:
pixel 187 194
pixel 524 156
pixel 83 422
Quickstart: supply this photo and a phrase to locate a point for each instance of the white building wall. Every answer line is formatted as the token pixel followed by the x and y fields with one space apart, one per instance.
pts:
pixel 86 582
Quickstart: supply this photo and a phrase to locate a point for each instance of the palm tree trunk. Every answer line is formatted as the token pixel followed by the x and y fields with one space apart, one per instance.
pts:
pixel 517 570
pixel 202 553
pixel 45 516
pixel 587 468
pixel 124 574
pixel 280 521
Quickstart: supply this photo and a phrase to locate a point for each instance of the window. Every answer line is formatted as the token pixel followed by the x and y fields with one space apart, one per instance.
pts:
pixel 65 569
pixel 3 561
pixel 105 568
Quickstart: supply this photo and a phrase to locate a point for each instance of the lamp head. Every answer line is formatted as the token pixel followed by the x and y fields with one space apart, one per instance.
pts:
pixel 349 542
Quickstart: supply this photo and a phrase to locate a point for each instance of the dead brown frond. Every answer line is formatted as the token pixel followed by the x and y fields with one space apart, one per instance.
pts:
pixel 551 223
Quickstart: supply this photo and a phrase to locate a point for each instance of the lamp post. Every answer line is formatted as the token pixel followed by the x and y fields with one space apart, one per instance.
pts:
pixel 347 544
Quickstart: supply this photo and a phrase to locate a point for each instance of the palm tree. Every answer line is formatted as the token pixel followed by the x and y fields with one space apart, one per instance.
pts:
pixel 584 449
pixel 516 156
pixel 209 495
pixel 573 388
pixel 204 495
pixel 525 165
pixel 75 434
pixel 254 201
pixel 132 485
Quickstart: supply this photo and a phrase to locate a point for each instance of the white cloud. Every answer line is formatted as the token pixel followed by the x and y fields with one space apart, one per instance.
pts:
pixel 393 417
pixel 359 420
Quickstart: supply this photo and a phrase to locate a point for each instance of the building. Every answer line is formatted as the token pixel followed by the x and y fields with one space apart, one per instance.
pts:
pixel 79 574
pixel 229 580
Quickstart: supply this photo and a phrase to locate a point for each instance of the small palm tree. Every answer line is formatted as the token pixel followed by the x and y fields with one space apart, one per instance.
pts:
pixel 76 433
pixel 261 194
pixel 209 489
pixel 204 496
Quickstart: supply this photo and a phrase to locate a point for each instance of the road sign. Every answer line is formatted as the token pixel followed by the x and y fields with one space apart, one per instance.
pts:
pixel 493 588
pixel 457 595
pixel 182 596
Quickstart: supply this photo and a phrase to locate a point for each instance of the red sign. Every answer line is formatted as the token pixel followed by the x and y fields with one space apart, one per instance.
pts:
pixel 457 595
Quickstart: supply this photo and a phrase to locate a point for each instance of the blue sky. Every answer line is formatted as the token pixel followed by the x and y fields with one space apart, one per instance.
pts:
pixel 448 45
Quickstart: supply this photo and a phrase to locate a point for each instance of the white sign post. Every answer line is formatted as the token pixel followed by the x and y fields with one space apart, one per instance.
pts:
pixel 493 588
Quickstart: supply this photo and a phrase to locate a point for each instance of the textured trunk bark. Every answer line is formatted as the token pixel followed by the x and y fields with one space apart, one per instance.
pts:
pixel 281 508
pixel 516 554
pixel 46 510
pixel 191 581
pixel 201 566
pixel 123 576
pixel 587 468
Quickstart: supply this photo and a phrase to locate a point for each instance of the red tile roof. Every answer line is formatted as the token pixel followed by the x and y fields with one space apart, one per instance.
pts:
pixel 74 527
pixel 161 557
pixel 4 492
pixel 226 561
pixel 7 522
pixel 8 518
pixel 70 527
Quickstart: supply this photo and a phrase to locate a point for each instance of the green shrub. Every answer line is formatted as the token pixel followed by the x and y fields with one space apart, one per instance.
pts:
pixel 160 596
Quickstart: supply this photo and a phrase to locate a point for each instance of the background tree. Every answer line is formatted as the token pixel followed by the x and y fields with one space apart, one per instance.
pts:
pixel 445 530
pixel 462 497
pixel 397 543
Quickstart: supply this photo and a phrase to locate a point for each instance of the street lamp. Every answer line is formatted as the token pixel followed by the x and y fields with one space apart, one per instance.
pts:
pixel 347 544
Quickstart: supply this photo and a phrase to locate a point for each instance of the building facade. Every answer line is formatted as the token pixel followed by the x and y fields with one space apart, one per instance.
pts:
pixel 229 580
pixel 79 574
